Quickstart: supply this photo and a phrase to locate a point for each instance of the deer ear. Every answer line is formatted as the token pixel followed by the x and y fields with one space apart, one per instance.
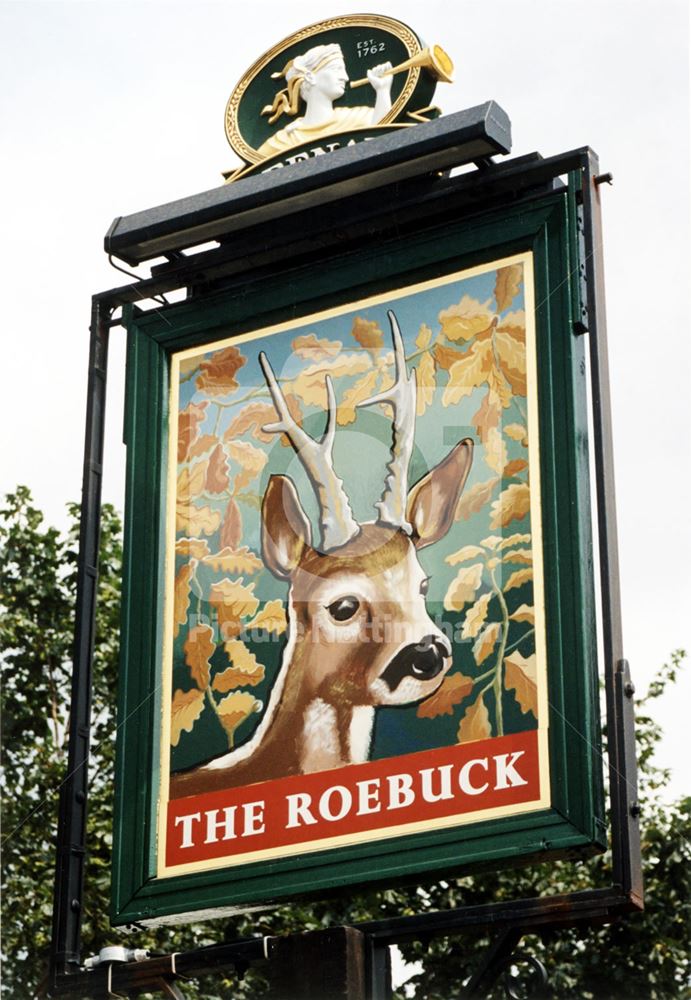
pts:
pixel 285 528
pixel 432 501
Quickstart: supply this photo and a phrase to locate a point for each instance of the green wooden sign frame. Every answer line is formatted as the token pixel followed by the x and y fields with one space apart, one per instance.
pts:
pixel 573 825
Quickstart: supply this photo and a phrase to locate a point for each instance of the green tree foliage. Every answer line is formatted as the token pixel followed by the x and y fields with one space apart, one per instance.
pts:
pixel 38 587
pixel 38 574
pixel 644 957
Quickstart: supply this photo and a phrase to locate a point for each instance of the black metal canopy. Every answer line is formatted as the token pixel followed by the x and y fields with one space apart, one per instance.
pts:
pixel 451 141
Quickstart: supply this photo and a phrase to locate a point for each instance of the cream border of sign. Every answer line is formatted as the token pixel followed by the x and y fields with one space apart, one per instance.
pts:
pixel 543 802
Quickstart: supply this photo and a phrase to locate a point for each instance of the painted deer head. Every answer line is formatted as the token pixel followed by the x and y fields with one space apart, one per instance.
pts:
pixel 360 635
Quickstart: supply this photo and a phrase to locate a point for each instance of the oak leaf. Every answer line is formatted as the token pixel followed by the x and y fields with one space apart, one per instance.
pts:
pixel 507 285
pixel 452 690
pixel 422 341
pixel 186 708
pixel 466 319
pixel 518 578
pixel 520 556
pixel 197 548
pixel 251 418
pixel 491 542
pixel 245 669
pixel 516 432
pixel 462 589
pixel 468 373
pixel 234 709
pixel 188 425
pixel 191 481
pixel 233 601
pixel 467 552
pixel 485 642
pixel 511 354
pixel 250 499
pixel 426 383
pixel 514 323
pixel 310 384
pixel 475 617
pixel 192 520
pixel 234 561
pixel 487 417
pixel 271 618
pixel 199 647
pixel 250 459
pixel 217 373
pixel 474 499
pixel 312 348
pixel 512 504
pixel 446 356
pixel 475 722
pixel 359 391
pixel 516 539
pixel 514 467
pixel 495 451
pixel 231 529
pixel 202 444
pixel 368 333
pixel 499 385
pixel 217 473
pixel 181 595
pixel 520 675
pixel 247 455
pixel 525 613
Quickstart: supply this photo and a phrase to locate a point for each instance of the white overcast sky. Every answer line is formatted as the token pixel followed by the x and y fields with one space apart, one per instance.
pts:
pixel 113 107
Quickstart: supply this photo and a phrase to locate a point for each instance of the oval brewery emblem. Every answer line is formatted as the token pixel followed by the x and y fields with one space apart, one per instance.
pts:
pixel 334 83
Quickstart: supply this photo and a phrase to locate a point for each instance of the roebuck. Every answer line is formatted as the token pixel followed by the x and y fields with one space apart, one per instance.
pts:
pixel 359 634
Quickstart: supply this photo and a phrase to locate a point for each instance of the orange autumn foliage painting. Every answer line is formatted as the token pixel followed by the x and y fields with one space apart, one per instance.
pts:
pixel 467 340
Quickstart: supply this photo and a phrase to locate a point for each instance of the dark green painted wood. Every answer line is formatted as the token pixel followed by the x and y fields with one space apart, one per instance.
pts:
pixel 139 703
pixel 573 826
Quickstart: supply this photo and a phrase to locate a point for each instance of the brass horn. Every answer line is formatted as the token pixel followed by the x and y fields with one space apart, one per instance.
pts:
pixel 432 58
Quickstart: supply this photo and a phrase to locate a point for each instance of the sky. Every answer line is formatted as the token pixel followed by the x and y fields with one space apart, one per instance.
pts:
pixel 108 108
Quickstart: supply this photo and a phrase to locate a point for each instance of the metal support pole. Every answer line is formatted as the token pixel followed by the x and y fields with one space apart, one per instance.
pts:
pixel 626 856
pixel 71 845
pixel 494 963
pixel 625 828
pixel 318 965
pixel 377 969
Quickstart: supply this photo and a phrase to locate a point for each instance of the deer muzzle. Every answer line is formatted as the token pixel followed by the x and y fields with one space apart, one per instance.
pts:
pixel 423 660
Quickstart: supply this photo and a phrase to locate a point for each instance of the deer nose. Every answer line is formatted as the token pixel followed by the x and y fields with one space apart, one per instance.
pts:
pixel 439 642
pixel 428 657
pixel 424 660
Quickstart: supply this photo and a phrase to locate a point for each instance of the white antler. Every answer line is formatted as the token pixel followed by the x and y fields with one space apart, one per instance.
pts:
pixel 402 397
pixel 336 520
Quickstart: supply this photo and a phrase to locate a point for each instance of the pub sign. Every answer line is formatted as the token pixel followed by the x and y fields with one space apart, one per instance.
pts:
pixel 358 636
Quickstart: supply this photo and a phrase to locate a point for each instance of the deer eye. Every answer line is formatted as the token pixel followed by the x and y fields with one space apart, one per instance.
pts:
pixel 344 608
pixel 424 587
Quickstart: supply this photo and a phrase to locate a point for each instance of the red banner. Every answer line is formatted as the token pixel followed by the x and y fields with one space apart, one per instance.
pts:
pixel 415 788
